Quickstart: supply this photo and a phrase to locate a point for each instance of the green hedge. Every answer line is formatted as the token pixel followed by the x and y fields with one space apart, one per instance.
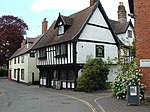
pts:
pixel 3 72
pixel 94 76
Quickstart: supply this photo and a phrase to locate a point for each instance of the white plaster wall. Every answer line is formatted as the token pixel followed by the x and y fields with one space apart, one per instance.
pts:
pixel 32 69
pixel 114 70
pixel 20 66
pixel 86 48
pixel 97 34
pixel 29 66
pixel 25 67
pixel 124 37
pixel 98 18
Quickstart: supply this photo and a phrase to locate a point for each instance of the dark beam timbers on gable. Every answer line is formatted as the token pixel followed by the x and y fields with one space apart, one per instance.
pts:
pixel 93 41
pixel 97 25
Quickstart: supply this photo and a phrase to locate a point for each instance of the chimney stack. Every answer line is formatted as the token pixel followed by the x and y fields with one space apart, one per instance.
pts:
pixel 122 13
pixel 23 43
pixel 44 25
pixel 92 2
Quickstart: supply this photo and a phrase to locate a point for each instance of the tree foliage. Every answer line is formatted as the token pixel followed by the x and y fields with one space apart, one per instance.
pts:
pixel 94 76
pixel 12 30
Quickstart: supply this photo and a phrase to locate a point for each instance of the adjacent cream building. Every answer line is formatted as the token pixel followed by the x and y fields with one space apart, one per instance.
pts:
pixel 22 64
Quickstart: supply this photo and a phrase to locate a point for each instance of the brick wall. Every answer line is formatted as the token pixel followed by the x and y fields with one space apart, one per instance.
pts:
pixel 142 36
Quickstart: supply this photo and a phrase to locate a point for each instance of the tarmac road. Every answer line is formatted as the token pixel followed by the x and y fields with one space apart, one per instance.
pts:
pixel 22 98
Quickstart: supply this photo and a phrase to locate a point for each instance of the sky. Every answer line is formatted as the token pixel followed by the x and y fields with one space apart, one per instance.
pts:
pixel 34 11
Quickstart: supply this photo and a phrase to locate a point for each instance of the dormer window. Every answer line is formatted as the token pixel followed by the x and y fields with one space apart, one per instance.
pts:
pixel 129 33
pixel 62 24
pixel 60 28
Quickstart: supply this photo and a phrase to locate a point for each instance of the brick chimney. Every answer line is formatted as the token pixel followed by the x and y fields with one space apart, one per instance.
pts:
pixel 23 43
pixel 122 13
pixel 44 25
pixel 92 2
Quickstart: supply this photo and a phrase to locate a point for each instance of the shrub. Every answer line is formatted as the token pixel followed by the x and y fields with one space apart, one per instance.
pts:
pixel 130 75
pixel 3 72
pixel 94 76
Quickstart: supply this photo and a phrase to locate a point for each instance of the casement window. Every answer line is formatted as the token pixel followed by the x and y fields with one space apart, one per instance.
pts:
pixel 15 73
pixel 22 59
pixel 55 74
pixel 22 74
pixel 14 60
pixel 100 51
pixel 18 59
pixel 63 75
pixel 32 54
pixel 10 62
pixel 71 75
pixel 60 29
pixel 61 50
pixel 129 33
pixel 42 53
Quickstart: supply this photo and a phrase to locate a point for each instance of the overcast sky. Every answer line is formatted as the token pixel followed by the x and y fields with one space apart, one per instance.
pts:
pixel 34 11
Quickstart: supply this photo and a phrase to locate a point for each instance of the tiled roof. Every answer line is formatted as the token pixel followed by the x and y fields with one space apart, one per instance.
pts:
pixel 78 21
pixel 119 27
pixel 26 49
pixel 31 40
pixel 50 37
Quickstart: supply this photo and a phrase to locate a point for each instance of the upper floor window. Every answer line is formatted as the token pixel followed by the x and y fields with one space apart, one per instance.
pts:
pixel 61 50
pixel 9 62
pixel 99 51
pixel 14 60
pixel 42 53
pixel 22 59
pixel 18 60
pixel 60 28
pixel 32 54
pixel 129 33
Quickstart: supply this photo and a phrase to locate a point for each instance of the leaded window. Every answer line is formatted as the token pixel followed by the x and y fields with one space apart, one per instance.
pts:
pixel 129 33
pixel 22 74
pixel 61 50
pixel 42 53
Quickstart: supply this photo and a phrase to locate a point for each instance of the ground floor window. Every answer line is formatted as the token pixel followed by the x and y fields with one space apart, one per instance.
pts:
pixel 15 73
pixel 22 74
pixel 63 75
pixel 55 74
pixel 71 75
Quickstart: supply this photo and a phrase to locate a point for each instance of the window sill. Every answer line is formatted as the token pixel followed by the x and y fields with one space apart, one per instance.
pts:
pixel 42 58
pixel 61 56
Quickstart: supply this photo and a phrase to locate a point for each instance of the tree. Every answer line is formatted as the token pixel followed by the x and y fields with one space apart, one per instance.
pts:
pixel 12 31
pixel 94 76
